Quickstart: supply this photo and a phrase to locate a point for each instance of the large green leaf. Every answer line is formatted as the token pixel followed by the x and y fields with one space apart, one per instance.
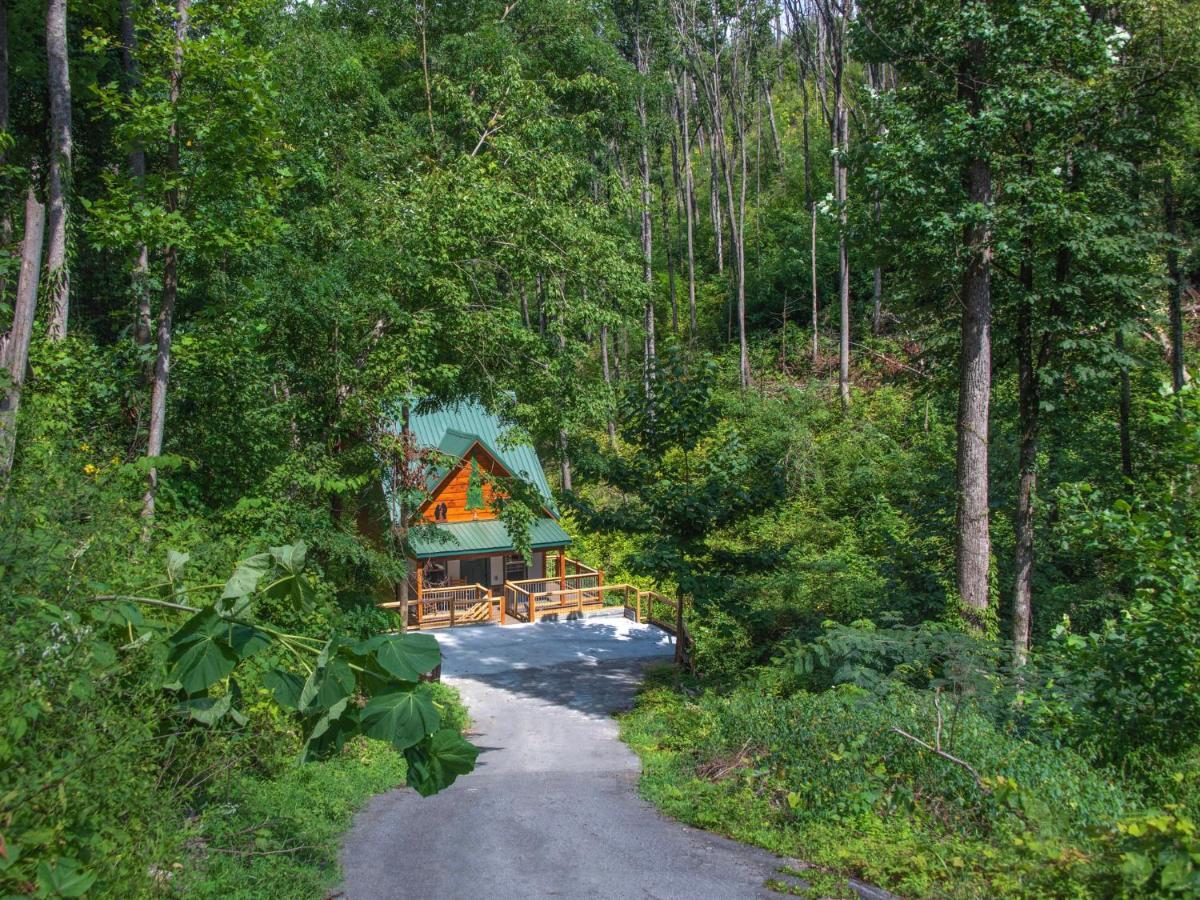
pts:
pixel 63 878
pixel 296 588
pixel 286 686
pixel 175 563
pixel 328 685
pixel 247 575
pixel 434 764
pixel 291 557
pixel 200 652
pixel 400 717
pixel 207 647
pixel 405 656
pixel 325 733
pixel 208 710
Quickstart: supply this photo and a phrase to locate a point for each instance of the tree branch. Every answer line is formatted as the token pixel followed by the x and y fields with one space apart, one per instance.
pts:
pixel 946 756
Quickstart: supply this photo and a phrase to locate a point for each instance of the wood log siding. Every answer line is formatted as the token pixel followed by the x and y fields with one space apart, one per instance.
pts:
pixel 453 491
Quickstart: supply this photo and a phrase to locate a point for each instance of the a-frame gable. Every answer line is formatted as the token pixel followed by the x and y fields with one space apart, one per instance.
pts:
pixel 447 501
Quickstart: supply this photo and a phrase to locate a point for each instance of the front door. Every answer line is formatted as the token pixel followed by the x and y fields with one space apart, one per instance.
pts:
pixel 475 571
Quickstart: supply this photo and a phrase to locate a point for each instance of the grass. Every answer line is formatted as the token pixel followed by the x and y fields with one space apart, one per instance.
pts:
pixel 279 837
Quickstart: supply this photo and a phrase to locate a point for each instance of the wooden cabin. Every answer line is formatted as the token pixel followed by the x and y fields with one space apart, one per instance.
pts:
pixel 464 567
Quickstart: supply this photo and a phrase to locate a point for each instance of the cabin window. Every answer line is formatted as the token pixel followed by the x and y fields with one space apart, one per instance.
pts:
pixel 514 568
pixel 435 574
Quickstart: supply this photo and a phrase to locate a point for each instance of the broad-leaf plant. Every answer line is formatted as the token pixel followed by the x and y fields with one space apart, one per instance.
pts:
pixel 335 688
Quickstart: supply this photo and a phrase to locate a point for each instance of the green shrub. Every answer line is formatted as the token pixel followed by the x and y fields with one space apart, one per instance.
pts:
pixel 724 647
pixel 827 777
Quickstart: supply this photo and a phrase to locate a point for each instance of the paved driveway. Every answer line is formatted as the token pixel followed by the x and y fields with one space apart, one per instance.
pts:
pixel 552 808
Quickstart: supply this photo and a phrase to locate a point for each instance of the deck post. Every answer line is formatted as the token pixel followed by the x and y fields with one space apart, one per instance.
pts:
pixel 532 601
pixel 420 570
pixel 562 569
pixel 451 609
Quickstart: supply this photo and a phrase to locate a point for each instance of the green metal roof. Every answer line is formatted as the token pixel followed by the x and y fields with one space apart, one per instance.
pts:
pixel 489 536
pixel 454 427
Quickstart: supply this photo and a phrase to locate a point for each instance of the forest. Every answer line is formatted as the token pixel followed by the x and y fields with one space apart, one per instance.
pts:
pixel 867 327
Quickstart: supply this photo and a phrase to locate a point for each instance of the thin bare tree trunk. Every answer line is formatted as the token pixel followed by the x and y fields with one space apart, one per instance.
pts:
pixel 406 442
pixel 816 349
pixel 612 426
pixel 666 220
pixel 59 86
pixel 973 544
pixel 564 460
pixel 714 207
pixel 137 167
pixel 841 146
pixel 16 348
pixel 689 201
pixel 775 140
pixel 737 227
pixel 6 228
pixel 162 361
pixel 1027 407
pixel 648 361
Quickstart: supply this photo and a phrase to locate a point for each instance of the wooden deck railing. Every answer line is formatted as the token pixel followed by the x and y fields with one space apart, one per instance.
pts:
pixel 462 604
pixel 570 567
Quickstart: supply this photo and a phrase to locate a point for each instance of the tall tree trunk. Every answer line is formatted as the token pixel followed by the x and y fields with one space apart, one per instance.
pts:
pixel 804 102
pixel 740 249
pixel 6 229
pixel 649 354
pixel 406 443
pixel 816 331
pixel 689 200
pixel 714 206
pixel 670 253
pixel 973 546
pixel 16 348
pixel 735 209
pixel 166 314
pixel 1123 408
pixel 876 289
pixel 841 146
pixel 59 87
pixel 612 425
pixel 564 460
pixel 843 255
pixel 1027 412
pixel 137 167
pixel 776 143
pixel 1174 285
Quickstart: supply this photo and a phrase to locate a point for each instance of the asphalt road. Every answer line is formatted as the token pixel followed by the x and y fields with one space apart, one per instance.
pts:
pixel 552 808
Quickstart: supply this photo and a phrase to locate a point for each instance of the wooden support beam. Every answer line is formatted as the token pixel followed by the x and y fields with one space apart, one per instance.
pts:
pixel 420 570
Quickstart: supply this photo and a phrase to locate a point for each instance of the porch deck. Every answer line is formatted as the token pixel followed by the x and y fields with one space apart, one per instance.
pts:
pixel 575 591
